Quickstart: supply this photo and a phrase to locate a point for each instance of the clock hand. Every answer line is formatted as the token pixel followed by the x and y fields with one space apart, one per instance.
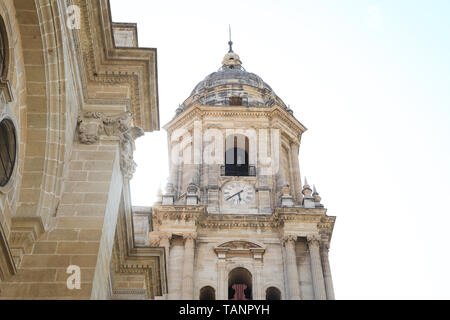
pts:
pixel 237 193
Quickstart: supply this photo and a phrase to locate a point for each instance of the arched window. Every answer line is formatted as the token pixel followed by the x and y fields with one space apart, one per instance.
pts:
pixel 273 293
pixel 207 293
pixel 236 156
pixel 3 50
pixel 7 150
pixel 240 284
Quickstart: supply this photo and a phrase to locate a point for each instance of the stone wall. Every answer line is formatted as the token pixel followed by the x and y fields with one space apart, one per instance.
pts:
pixel 61 207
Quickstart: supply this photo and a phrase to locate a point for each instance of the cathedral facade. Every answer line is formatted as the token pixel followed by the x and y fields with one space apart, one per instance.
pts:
pixel 235 219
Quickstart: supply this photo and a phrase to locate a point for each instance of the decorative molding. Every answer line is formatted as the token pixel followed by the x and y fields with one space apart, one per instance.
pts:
pixel 93 125
pixel 239 248
pixel 104 64
pixel 197 112
pixel 190 236
pixel 313 241
pixel 289 238
pixel 25 231
pixel 129 259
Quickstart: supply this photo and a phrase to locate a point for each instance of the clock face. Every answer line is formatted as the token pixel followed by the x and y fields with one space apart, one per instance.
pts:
pixel 238 193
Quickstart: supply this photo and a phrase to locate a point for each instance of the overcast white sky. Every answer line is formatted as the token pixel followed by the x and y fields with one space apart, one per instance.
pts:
pixel 371 82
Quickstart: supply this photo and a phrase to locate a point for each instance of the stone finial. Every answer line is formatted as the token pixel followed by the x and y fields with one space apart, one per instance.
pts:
pixel 192 188
pixel 168 197
pixel 306 191
pixel 169 188
pixel 159 195
pixel 316 197
pixel 289 110
pixel 286 198
pixel 180 109
pixel 308 200
pixel 285 189
pixel 192 194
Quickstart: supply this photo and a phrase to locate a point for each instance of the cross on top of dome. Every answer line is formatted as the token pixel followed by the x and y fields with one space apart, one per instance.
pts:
pixel 231 59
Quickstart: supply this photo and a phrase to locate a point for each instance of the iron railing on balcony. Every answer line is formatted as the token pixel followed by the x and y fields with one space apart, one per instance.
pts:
pixel 238 171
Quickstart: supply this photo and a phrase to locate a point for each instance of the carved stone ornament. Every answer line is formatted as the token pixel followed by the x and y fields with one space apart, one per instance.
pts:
pixel 127 147
pixel 289 238
pixel 313 240
pixel 165 236
pixel 192 188
pixel 190 236
pixel 239 248
pixel 169 188
pixel 93 125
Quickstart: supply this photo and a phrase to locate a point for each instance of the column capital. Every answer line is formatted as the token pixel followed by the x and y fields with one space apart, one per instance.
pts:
pixel 289 238
pixel 295 145
pixel 165 236
pixel 313 241
pixel 190 236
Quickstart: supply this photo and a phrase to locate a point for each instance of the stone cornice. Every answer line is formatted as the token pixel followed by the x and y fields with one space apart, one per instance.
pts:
pixel 104 64
pixel 270 113
pixel 203 220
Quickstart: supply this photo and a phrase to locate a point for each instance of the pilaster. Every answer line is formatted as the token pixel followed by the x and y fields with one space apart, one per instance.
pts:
pixel 291 263
pixel 188 266
pixel 324 247
pixel 316 268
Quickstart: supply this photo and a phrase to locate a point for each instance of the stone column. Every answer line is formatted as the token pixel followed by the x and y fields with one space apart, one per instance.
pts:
pixel 257 283
pixel 326 270
pixel 222 285
pixel 187 291
pixel 291 264
pixel 316 269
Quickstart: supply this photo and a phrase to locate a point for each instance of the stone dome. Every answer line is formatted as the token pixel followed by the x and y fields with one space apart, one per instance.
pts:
pixel 233 85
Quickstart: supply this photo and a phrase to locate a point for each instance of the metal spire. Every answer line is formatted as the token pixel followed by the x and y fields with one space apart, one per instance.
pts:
pixel 230 43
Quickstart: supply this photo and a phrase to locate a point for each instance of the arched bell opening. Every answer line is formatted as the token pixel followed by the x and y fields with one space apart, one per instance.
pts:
pixel 240 284
pixel 236 156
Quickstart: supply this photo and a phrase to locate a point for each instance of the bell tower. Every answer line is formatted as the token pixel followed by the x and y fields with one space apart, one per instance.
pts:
pixel 235 220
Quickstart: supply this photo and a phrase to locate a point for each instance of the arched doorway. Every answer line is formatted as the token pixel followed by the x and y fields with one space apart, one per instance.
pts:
pixel 207 293
pixel 273 293
pixel 240 284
